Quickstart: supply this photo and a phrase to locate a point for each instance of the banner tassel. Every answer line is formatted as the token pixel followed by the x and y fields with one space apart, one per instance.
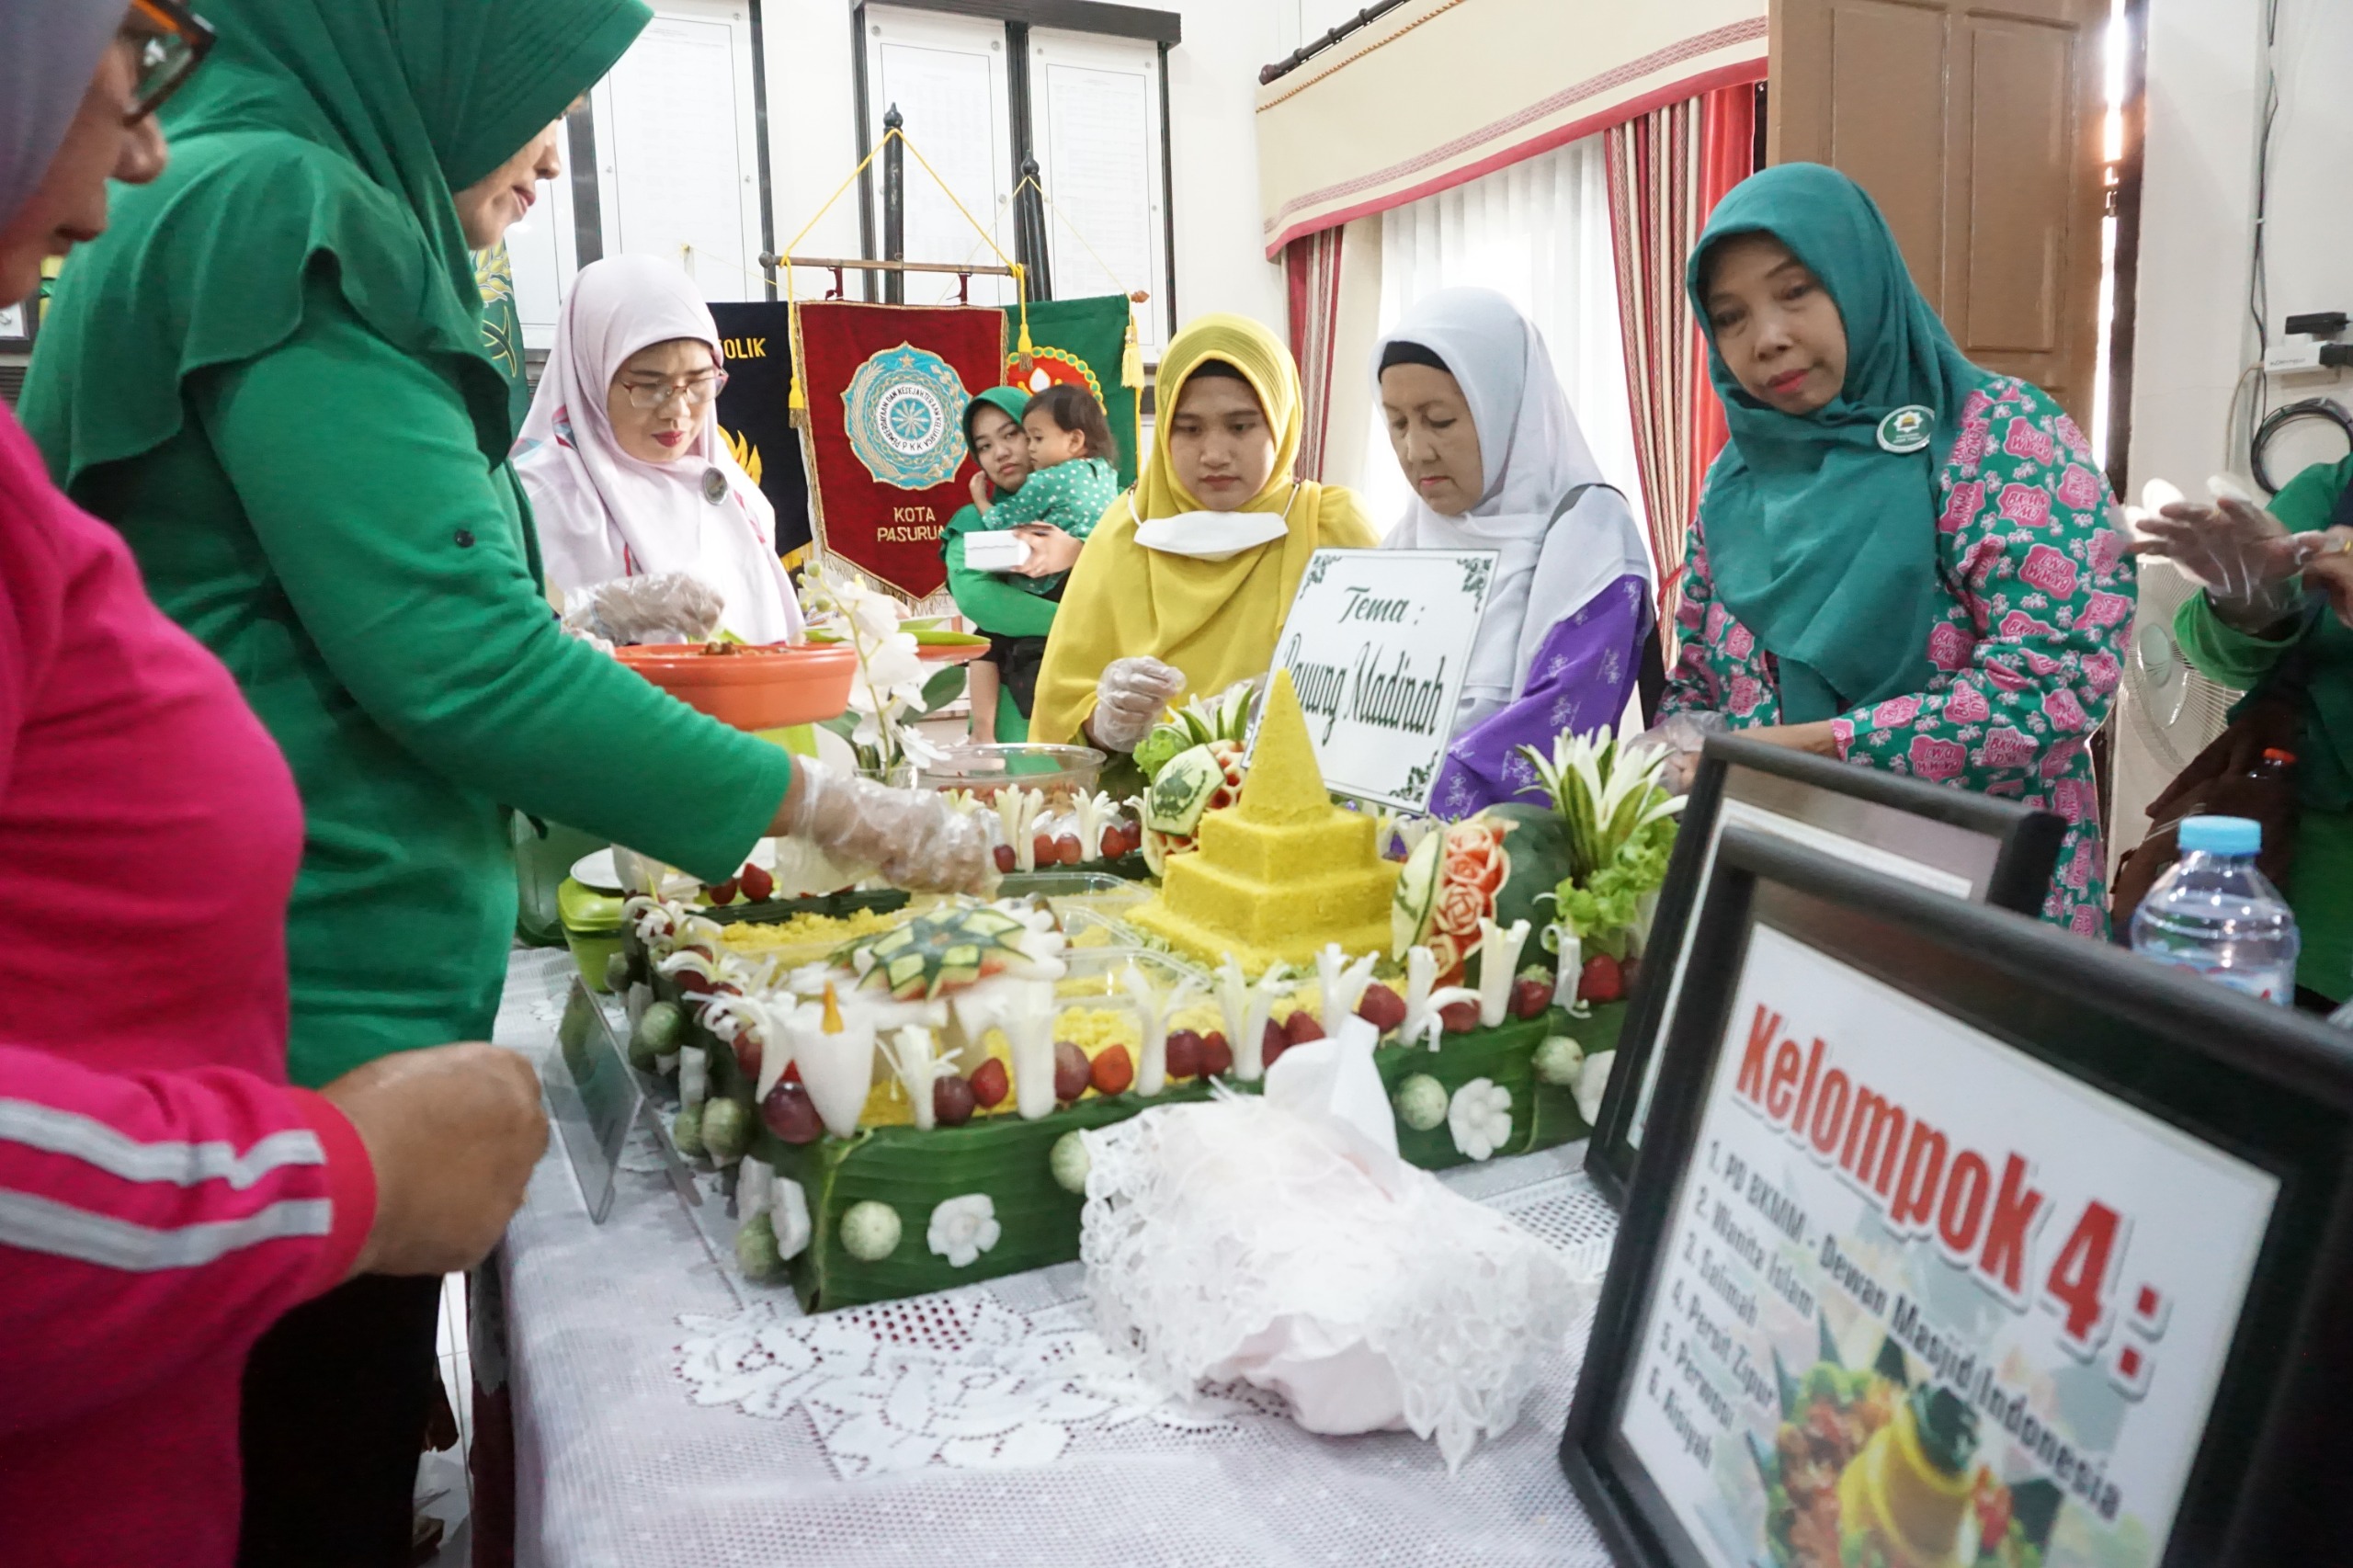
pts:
pixel 1131 356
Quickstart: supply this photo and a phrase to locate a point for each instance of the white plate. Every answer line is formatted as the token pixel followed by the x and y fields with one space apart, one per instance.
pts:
pixel 598 872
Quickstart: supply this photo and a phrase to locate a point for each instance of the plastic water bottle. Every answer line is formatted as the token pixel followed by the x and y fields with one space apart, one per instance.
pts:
pixel 2218 916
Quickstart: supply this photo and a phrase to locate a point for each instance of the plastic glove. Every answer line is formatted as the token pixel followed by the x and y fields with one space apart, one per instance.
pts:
pixel 2246 558
pixel 913 837
pixel 670 607
pixel 1130 699
pixel 1680 735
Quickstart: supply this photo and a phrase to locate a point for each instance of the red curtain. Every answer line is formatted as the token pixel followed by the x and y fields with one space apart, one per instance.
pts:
pixel 1311 267
pixel 1667 170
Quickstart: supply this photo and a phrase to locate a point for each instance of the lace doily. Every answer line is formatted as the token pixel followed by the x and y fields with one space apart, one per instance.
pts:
pixel 956 1379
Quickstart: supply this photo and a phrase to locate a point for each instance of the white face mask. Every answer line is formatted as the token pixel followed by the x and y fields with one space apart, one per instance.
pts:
pixel 1213 535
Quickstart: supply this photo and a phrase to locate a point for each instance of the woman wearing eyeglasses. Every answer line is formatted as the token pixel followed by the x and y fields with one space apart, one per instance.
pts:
pixel 270 376
pixel 622 456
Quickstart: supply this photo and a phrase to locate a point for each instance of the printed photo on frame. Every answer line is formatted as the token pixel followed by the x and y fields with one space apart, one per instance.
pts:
pixel 1961 1239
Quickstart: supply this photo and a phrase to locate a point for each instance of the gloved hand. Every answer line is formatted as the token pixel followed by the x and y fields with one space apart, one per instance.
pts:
pixel 2246 557
pixel 913 837
pixel 670 607
pixel 1680 735
pixel 1130 699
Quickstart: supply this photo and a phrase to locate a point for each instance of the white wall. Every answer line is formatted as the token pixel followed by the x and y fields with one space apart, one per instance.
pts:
pixel 2194 334
pixel 1213 84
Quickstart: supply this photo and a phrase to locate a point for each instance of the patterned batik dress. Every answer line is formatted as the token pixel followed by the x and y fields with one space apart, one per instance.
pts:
pixel 2028 652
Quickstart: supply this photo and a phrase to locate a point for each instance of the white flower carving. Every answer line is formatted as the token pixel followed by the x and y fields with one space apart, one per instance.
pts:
pixel 964 1228
pixel 1480 1118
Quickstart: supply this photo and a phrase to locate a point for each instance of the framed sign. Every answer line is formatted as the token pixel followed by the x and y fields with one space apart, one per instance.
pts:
pixel 1956 842
pixel 17 324
pixel 1962 1240
pixel 593 1097
pixel 1377 643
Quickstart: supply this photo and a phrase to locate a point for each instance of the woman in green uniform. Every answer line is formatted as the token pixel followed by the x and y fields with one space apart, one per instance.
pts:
pixel 2278 624
pixel 994 606
pixel 270 376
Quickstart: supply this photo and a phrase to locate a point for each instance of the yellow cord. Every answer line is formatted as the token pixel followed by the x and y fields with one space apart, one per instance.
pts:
pixel 796 398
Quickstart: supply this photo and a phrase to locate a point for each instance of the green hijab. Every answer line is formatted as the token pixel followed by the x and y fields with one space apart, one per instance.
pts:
pixel 320 133
pixel 1820 539
pixel 1012 401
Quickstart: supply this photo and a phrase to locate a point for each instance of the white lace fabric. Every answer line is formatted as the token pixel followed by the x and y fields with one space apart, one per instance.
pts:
pixel 1232 1239
pixel 669 1416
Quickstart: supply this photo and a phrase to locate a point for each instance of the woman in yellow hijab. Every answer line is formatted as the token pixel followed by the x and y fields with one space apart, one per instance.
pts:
pixel 1184 584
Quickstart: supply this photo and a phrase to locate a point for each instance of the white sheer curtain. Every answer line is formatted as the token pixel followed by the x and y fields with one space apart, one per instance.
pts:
pixel 1537 233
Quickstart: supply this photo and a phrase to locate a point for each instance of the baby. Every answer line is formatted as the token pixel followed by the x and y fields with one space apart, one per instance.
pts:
pixel 1073 480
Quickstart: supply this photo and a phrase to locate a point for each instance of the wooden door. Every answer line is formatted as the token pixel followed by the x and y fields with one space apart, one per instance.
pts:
pixel 1977 125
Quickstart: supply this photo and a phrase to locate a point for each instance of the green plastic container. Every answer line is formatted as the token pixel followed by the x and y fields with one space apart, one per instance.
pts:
pixel 592 927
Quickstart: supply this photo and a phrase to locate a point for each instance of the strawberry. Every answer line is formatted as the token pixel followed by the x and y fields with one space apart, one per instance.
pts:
pixel 1272 1043
pixel 1530 998
pixel 1068 850
pixel 1603 981
pixel 759 886
pixel 748 1051
pixel 990 1084
pixel 1007 862
pixel 1216 1055
pixel 1111 1071
pixel 1042 852
pixel 1459 1017
pixel 1381 1007
pixel 1303 1027
pixel 724 893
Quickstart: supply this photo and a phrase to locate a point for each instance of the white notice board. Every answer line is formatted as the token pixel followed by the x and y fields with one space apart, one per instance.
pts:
pixel 676 130
pixel 1377 643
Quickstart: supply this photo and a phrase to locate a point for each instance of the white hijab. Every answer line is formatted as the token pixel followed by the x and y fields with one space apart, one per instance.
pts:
pixel 602 514
pixel 1534 454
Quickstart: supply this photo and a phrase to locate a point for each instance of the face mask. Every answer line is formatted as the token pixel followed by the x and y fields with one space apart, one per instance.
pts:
pixel 1213 535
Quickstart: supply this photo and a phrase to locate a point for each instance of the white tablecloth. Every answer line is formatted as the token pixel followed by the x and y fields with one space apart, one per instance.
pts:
pixel 667 1415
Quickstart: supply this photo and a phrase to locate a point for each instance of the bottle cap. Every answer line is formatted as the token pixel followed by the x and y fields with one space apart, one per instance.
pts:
pixel 2275 754
pixel 2222 835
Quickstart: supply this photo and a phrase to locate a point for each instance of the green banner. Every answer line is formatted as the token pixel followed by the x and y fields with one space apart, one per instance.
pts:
pixel 1084 341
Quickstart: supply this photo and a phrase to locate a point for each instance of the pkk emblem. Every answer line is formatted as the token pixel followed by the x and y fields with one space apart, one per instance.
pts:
pixel 1907 429
pixel 1049 367
pixel 906 418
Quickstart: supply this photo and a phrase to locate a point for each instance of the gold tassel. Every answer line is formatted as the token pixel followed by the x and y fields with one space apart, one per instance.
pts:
pixel 1131 356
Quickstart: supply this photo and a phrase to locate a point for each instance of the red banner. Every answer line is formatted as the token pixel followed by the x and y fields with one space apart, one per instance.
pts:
pixel 886 387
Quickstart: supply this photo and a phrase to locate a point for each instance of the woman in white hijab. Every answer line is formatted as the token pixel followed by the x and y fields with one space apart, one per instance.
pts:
pixel 623 458
pixel 1486 439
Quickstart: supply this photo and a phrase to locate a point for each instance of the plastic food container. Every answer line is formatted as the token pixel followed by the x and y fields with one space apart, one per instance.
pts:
pixel 592 927
pixel 1031 765
pixel 753 688
pixel 1066 890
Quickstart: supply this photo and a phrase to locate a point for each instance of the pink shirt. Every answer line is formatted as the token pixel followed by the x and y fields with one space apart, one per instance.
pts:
pixel 164 1195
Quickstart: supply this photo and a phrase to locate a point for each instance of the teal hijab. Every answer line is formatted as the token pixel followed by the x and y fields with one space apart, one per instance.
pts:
pixel 1821 539
pixel 321 136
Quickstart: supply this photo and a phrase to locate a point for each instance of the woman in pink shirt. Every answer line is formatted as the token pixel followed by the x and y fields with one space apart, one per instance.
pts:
pixel 164 1194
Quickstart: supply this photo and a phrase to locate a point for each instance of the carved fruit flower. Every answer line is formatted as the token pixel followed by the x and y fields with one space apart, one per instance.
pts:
pixel 964 1228
pixel 1480 1118
pixel 1473 866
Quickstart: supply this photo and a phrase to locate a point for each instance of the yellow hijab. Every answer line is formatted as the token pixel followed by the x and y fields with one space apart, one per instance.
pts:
pixel 1215 620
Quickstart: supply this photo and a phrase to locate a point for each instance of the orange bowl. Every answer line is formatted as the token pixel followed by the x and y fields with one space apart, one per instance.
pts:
pixel 751 687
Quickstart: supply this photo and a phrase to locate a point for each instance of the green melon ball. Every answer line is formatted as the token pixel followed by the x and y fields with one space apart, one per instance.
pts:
pixel 756 1252
pixel 870 1231
pixel 1557 1060
pixel 1421 1102
pixel 687 1132
pixel 1070 1162
pixel 726 1129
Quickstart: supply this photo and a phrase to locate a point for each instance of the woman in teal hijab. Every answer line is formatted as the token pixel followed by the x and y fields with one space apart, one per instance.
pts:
pixel 270 376
pixel 995 607
pixel 1900 560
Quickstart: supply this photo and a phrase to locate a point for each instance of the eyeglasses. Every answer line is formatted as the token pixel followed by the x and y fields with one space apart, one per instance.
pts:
pixel 166 57
pixel 700 391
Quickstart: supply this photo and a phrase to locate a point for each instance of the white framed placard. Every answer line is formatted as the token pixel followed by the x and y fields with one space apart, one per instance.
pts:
pixel 1377 644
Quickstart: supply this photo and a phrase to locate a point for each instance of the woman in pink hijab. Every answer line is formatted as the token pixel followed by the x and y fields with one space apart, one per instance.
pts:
pixel 164 1194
